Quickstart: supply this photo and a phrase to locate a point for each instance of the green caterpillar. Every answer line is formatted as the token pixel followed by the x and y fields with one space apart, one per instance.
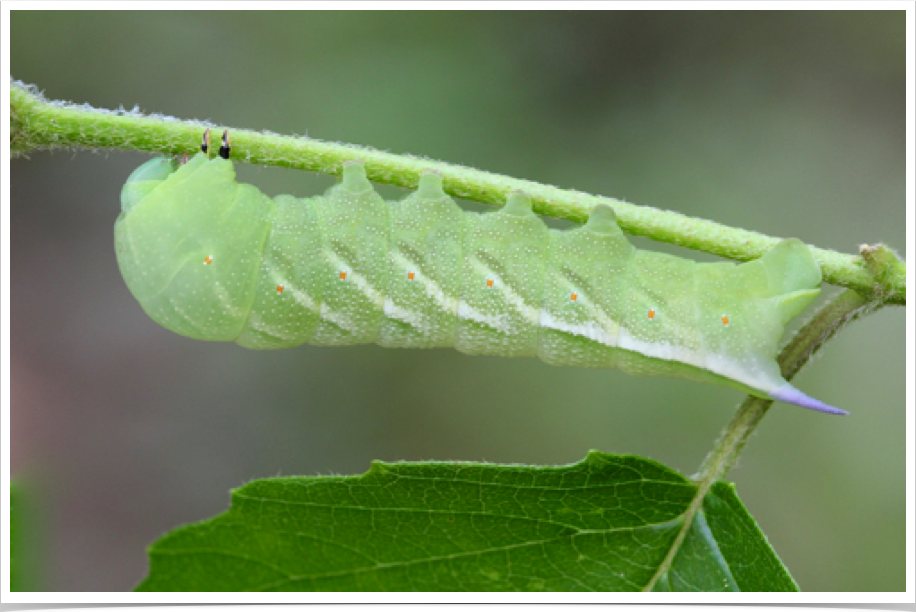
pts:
pixel 213 259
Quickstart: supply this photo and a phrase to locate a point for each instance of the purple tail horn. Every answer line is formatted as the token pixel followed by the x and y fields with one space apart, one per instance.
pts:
pixel 791 395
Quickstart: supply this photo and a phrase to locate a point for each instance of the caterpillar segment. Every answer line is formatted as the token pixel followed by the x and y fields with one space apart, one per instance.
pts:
pixel 213 259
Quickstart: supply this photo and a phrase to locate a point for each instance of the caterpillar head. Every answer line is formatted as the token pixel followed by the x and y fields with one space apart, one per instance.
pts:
pixel 191 230
pixel 144 179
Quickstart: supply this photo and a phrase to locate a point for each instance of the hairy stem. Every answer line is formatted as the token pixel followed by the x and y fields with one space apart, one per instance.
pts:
pixel 37 123
pixel 824 325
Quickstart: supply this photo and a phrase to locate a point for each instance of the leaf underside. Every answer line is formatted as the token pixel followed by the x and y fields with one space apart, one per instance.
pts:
pixel 604 524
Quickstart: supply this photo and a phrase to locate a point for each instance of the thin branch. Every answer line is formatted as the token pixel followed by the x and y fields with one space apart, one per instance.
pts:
pixel 37 123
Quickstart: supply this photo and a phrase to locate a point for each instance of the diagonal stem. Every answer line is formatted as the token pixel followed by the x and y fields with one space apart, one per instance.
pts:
pixel 826 322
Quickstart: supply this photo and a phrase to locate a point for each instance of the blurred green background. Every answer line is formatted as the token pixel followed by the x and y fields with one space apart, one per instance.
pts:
pixel 789 123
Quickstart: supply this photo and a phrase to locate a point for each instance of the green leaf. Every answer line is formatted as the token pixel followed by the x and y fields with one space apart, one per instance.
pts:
pixel 604 524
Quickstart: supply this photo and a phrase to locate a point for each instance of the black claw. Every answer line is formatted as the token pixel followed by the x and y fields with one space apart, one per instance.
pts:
pixel 225 148
pixel 205 145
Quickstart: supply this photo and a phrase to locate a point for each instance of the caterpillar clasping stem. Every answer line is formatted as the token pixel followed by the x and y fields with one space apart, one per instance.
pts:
pixel 225 148
pixel 501 283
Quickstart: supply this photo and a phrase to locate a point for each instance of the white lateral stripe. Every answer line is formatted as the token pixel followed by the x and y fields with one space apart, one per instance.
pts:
pixel 225 300
pixel 598 330
pixel 256 323
pixel 717 364
pixel 303 299
pixel 300 297
pixel 412 318
pixel 602 320
pixel 592 331
pixel 729 368
pixel 498 322
pixel 361 282
pixel 445 302
pixel 341 321
pixel 661 350
pixel 530 313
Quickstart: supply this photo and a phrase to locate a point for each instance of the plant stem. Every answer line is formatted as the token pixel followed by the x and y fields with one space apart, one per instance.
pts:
pixel 40 124
pixel 826 322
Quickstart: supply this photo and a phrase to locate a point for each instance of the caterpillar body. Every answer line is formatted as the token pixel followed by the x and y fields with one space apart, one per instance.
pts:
pixel 213 259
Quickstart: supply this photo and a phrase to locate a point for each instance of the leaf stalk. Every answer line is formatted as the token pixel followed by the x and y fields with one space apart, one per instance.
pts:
pixel 824 325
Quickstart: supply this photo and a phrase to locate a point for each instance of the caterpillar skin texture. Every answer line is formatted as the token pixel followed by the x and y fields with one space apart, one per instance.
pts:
pixel 213 259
